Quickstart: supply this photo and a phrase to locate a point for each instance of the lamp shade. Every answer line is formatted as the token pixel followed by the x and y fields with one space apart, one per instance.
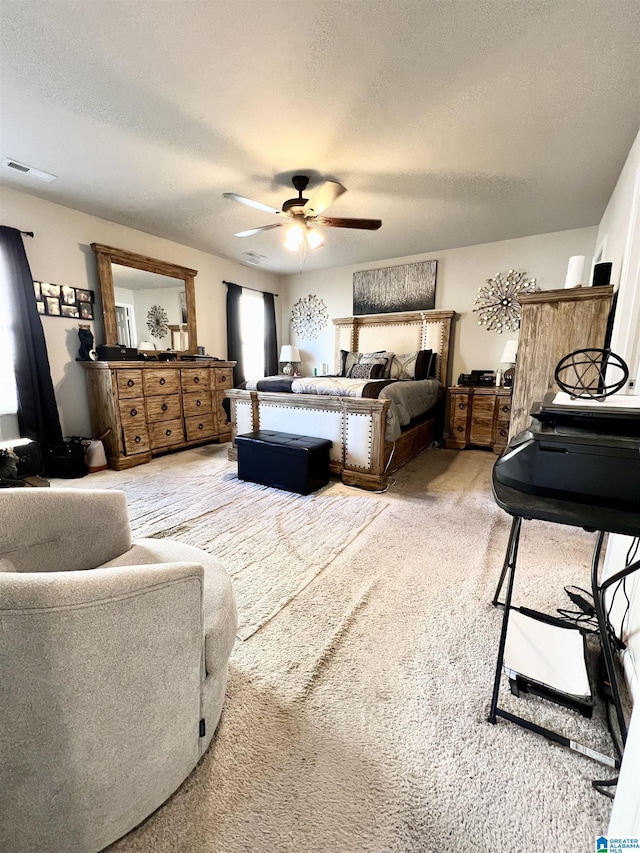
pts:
pixel 289 353
pixel 510 352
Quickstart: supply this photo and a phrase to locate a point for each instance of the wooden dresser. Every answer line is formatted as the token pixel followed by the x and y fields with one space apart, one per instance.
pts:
pixel 479 417
pixel 150 407
pixel 553 323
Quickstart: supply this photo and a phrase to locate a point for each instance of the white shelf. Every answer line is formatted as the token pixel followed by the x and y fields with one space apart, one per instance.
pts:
pixel 546 654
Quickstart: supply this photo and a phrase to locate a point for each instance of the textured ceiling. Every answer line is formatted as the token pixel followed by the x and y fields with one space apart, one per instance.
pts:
pixel 456 122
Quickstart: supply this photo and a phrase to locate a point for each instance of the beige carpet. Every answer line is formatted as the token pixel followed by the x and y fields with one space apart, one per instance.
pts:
pixel 355 718
pixel 274 543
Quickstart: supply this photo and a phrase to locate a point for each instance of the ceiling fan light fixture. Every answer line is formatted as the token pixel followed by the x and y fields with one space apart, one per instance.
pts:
pixel 314 238
pixel 294 237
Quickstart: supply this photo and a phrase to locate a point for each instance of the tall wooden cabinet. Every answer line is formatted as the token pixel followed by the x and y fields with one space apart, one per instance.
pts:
pixel 553 324
pixel 147 407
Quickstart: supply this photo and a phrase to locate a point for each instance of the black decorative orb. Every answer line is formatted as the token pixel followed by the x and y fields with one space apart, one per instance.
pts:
pixel 591 374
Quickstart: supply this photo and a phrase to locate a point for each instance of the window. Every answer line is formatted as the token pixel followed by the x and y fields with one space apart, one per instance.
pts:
pixel 252 332
pixel 8 395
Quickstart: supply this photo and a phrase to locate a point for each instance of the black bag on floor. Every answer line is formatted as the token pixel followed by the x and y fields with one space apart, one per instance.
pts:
pixel 66 459
pixel 29 459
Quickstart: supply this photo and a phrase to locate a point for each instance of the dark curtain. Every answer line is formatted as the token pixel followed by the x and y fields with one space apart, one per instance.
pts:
pixel 234 343
pixel 270 342
pixel 37 410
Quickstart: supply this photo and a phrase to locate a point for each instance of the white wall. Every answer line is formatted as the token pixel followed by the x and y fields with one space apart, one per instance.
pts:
pixel 61 253
pixel 614 231
pixel 460 273
pixel 622 248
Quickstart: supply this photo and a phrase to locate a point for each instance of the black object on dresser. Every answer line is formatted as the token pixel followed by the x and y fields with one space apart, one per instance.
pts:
pixel 295 463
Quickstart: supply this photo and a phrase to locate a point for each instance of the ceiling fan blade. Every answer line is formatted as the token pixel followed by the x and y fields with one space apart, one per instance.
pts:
pixel 323 197
pixel 253 231
pixel 258 204
pixel 332 222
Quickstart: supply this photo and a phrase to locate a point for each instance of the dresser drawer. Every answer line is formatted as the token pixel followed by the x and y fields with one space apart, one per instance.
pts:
pixel 502 432
pixel 129 383
pixel 459 406
pixel 163 408
pixel 223 377
pixel 196 405
pixel 458 430
pixel 132 412
pixel 200 427
pixel 503 409
pixel 196 379
pixel 136 438
pixel 166 433
pixel 161 382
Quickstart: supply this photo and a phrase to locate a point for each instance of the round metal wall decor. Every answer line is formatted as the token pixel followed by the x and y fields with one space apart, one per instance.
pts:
pixel 591 374
pixel 309 316
pixel 497 303
pixel 157 321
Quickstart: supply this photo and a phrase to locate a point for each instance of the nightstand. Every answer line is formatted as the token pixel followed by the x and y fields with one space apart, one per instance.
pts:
pixel 479 417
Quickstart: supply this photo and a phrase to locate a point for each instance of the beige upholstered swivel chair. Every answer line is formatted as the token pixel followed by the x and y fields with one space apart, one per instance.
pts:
pixel 113 666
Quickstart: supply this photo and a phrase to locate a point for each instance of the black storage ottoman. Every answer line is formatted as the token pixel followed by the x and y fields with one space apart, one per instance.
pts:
pixel 296 463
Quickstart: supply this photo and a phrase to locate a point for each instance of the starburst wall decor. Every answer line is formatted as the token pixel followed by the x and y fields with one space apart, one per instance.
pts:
pixel 497 303
pixel 157 321
pixel 309 316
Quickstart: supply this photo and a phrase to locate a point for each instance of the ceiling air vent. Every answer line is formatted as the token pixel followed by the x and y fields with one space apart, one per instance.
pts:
pixel 254 258
pixel 9 163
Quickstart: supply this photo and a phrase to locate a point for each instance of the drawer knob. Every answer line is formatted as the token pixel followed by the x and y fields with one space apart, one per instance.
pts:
pixel 196 379
pixel 223 377
pixel 503 433
pixel 200 426
pixel 461 405
pixel 133 412
pixel 198 402
pixel 164 407
pixel 167 432
pixel 137 439
pixel 505 408
pixel 163 381
pixel 130 383
pixel 460 429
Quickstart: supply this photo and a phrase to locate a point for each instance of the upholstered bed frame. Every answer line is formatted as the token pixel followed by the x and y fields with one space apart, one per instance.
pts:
pixel 355 425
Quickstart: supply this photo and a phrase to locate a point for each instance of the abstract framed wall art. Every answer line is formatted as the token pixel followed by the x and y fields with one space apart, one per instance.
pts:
pixel 407 287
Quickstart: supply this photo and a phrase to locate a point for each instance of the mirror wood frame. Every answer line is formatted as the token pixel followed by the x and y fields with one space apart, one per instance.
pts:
pixel 108 255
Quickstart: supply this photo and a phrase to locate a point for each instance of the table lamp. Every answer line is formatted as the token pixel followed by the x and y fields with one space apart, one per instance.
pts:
pixel 509 355
pixel 289 354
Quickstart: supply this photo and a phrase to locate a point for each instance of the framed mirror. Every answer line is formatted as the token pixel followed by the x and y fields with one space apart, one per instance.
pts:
pixel 147 304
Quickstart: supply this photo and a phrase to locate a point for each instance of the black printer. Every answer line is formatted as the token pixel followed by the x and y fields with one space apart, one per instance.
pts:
pixel 586 453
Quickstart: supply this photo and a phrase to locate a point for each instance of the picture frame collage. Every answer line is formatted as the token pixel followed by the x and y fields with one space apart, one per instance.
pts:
pixel 61 300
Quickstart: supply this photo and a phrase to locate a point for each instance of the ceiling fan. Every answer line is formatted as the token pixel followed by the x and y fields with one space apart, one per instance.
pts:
pixel 304 213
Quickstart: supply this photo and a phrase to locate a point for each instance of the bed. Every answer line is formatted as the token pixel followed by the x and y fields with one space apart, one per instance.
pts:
pixel 368 437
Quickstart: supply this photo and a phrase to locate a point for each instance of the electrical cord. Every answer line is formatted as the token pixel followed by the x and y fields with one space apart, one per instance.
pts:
pixel 584 617
pixel 602 784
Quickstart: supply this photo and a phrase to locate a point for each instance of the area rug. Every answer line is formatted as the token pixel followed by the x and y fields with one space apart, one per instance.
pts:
pixel 356 720
pixel 272 543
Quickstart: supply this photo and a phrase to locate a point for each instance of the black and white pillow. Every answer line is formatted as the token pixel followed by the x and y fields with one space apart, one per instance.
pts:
pixel 348 359
pixel 367 370
pixel 412 365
